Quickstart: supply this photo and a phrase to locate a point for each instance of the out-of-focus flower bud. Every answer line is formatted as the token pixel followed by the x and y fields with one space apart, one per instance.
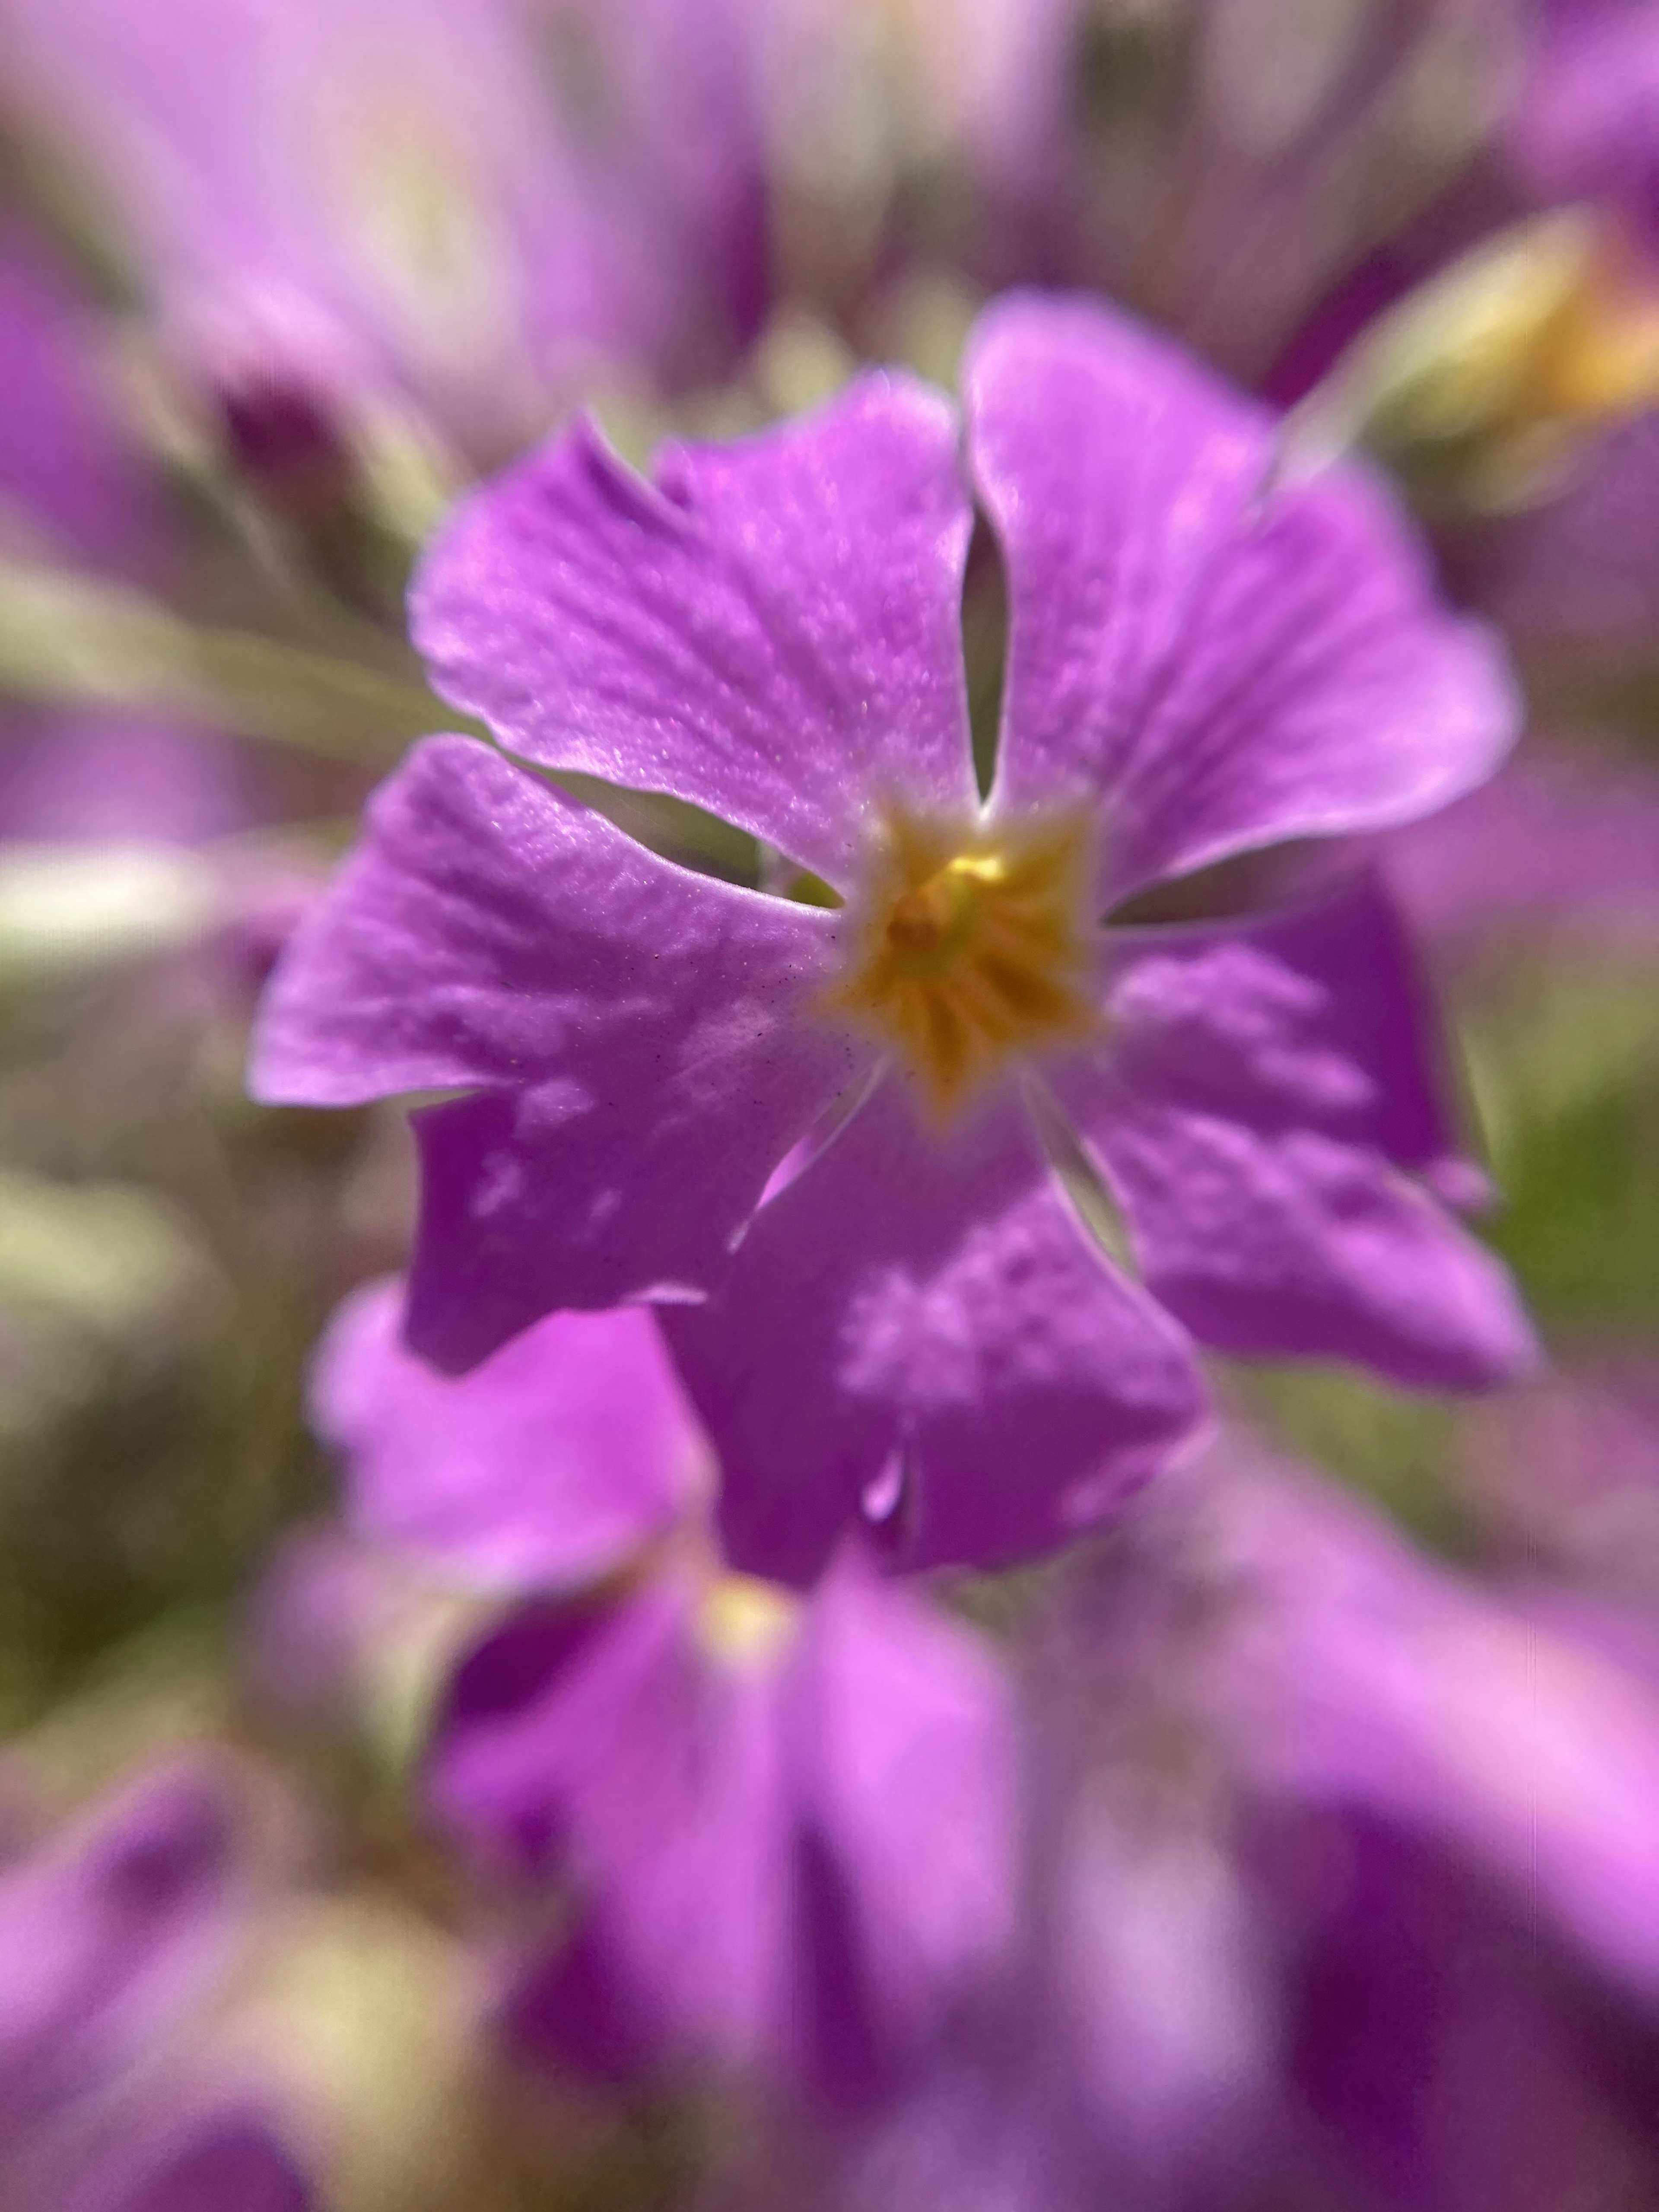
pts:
pixel 1481 388
pixel 269 408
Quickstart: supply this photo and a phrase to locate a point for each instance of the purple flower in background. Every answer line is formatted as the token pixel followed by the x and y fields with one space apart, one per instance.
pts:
pixel 216 2160
pixel 1355 1673
pixel 1440 2050
pixel 1564 845
pixel 120 1938
pixel 1455 1795
pixel 1330 1851
pixel 69 470
pixel 787 1822
pixel 1127 2054
pixel 1586 122
pixel 565 1453
pixel 468 205
pixel 114 1934
pixel 914 1326
pixel 564 1459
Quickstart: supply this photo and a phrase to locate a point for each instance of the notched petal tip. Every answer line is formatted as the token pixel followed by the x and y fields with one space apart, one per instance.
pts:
pixel 659 632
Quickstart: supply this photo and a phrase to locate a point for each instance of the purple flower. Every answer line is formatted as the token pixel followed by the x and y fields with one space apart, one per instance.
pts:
pixel 467 205
pixel 1331 1852
pixel 566 1452
pixel 113 1935
pixel 787 1823
pixel 1357 1674
pixel 1562 848
pixel 915 1324
pixel 214 2159
pixel 1584 125
pixel 120 1938
pixel 1440 2051
pixel 67 465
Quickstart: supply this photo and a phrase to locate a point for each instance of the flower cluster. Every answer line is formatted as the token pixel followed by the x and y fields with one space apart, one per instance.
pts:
pixel 829 1124
pixel 827 1318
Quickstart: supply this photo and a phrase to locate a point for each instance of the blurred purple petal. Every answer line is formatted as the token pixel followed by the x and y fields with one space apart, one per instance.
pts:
pixel 114 1933
pixel 119 779
pixel 790 1831
pixel 554 1461
pixel 1564 844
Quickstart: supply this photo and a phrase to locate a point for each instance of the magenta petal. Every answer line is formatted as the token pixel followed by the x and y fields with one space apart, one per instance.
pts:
pixel 635 1027
pixel 1369 1676
pixel 610 1744
pixel 1265 1110
pixel 550 1463
pixel 488 930
pixel 1218 670
pixel 910 1783
pixel 771 630
pixel 114 1935
pixel 924 1318
pixel 215 2161
pixel 564 1196
pixel 790 1856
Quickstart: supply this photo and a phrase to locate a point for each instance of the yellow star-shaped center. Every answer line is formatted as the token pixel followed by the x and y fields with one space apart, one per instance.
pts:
pixel 970 945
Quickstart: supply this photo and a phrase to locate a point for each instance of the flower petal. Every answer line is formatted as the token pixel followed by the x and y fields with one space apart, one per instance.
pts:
pixel 611 1744
pixel 793 1856
pixel 549 1464
pixel 911 1781
pixel 634 1026
pixel 117 1934
pixel 923 1315
pixel 1221 667
pixel 572 1196
pixel 486 926
pixel 1263 1104
pixel 771 630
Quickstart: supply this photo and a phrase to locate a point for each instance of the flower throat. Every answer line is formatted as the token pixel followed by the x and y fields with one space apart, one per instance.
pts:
pixel 972 946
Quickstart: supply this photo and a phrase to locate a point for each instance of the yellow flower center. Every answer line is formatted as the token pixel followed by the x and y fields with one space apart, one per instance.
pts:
pixel 972 946
pixel 743 1620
